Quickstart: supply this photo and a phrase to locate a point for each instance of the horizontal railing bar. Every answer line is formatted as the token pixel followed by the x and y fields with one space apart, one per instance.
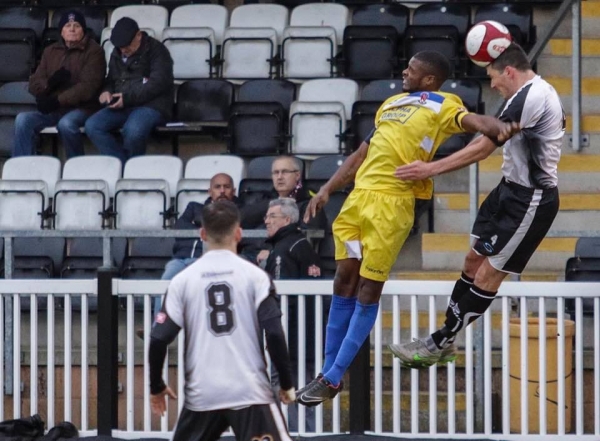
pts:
pixel 47 287
pixel 311 234
pixel 394 287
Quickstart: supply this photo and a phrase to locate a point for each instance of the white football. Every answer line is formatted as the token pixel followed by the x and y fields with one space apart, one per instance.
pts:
pixel 486 41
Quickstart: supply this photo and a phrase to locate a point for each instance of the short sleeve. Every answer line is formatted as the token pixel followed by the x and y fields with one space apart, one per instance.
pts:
pixel 452 113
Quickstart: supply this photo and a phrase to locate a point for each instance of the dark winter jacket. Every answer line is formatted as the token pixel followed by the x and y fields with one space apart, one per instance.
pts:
pixel 290 258
pixel 191 219
pixel 145 79
pixel 85 61
pixel 291 254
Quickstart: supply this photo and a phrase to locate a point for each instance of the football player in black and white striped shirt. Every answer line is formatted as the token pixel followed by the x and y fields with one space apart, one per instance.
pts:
pixel 515 217
pixel 223 303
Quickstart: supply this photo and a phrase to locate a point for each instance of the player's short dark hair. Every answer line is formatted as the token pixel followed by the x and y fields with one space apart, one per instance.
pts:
pixel 435 64
pixel 219 219
pixel 513 56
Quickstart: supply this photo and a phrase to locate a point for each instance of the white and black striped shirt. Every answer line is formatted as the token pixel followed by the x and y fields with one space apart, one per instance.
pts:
pixel 531 156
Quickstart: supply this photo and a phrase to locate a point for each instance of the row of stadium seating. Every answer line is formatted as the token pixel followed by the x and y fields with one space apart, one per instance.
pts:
pixel 37 192
pixel 325 116
pixel 313 40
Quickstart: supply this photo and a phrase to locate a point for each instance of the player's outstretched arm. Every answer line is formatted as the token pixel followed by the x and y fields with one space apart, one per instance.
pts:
pixel 489 126
pixel 478 149
pixel 342 177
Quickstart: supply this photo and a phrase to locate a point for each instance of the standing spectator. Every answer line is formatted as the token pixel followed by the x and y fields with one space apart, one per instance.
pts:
pixel 292 257
pixel 138 92
pixel 66 85
pixel 223 304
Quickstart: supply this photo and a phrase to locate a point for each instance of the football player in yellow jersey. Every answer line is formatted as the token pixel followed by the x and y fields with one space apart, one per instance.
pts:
pixel 377 216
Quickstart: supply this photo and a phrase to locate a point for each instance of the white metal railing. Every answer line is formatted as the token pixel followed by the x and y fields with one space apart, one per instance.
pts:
pixel 413 308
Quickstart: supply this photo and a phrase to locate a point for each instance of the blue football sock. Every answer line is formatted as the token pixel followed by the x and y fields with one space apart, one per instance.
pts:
pixel 362 322
pixel 340 314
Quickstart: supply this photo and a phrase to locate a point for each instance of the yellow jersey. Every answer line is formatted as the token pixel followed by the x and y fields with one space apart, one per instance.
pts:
pixel 409 127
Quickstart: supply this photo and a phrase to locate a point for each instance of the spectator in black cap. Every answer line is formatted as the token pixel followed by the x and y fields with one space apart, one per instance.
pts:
pixel 66 86
pixel 137 94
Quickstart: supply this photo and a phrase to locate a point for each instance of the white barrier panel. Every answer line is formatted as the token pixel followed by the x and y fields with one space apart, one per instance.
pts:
pixel 409 309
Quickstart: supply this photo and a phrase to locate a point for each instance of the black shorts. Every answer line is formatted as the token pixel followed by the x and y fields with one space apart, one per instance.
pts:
pixel 511 223
pixel 261 422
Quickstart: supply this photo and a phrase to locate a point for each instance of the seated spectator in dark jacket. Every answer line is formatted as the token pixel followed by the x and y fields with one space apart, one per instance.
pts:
pixel 287 183
pixel 186 251
pixel 66 86
pixel 137 93
pixel 292 257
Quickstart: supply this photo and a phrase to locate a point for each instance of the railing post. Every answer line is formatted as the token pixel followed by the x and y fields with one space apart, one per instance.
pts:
pixel 360 390
pixel 107 353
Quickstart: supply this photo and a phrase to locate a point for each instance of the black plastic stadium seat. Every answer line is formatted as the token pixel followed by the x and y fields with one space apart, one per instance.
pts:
pixel 256 128
pixel 382 14
pixel 14 99
pixel 370 52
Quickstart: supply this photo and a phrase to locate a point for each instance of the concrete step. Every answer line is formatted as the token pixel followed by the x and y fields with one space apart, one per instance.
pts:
pixel 561 66
pixel 590 47
pixel 577 212
pixel 446 252
pixel 590 13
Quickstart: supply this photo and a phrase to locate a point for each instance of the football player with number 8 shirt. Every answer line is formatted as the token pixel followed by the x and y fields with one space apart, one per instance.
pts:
pixel 223 304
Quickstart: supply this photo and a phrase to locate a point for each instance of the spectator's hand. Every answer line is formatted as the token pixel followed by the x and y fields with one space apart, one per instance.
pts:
pixel 158 403
pixel 105 98
pixel 47 104
pixel 415 171
pixel 315 204
pixel 287 396
pixel 314 271
pixel 59 78
pixel 119 103
pixel 262 256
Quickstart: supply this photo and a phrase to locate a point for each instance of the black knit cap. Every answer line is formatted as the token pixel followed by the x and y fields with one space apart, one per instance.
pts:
pixel 123 32
pixel 72 15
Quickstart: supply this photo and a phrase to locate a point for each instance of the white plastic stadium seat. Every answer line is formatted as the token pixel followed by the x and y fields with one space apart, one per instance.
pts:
pixel 144 194
pixel 215 17
pixel 322 14
pixel 25 189
pixel 169 168
pixel 332 89
pixel 191 49
pixel 308 52
pixel 84 193
pixel 198 172
pixel 206 166
pixel 44 168
pixel 21 203
pixel 316 128
pixel 248 53
pixel 103 167
pixel 154 17
pixel 142 203
pixel 266 15
pixel 79 204
pixel 191 190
